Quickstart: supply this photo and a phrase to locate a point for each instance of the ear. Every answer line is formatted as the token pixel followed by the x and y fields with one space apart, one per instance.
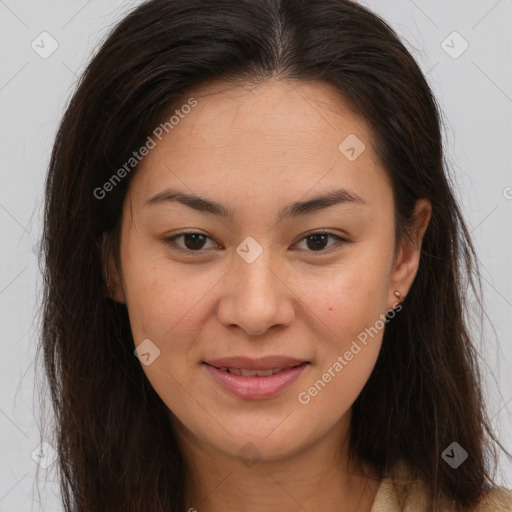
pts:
pixel 408 258
pixel 112 274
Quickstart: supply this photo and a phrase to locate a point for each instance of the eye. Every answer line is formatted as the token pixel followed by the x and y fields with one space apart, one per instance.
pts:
pixel 194 241
pixel 318 240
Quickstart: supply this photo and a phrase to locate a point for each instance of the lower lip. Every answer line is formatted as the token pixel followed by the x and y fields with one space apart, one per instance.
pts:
pixel 255 388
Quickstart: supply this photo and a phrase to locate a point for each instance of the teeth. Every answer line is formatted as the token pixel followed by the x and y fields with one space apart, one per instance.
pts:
pixel 251 373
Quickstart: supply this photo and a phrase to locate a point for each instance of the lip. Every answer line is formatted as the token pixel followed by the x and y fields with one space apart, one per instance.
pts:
pixel 256 388
pixel 262 363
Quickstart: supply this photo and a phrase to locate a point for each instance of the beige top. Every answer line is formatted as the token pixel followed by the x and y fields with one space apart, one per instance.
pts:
pixel 404 494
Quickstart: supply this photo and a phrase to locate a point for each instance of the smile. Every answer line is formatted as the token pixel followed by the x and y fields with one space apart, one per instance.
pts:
pixel 254 384
pixel 252 373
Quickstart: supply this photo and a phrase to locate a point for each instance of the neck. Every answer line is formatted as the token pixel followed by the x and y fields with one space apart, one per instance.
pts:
pixel 318 477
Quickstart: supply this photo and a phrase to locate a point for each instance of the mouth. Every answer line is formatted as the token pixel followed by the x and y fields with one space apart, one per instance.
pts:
pixel 254 373
pixel 255 379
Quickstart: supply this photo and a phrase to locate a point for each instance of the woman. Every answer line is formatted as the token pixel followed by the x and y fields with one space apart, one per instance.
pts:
pixel 207 348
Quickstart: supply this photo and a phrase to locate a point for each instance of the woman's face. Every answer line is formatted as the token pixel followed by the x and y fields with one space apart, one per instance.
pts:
pixel 254 281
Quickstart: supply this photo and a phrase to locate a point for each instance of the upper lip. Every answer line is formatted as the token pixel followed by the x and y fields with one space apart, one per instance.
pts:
pixel 263 363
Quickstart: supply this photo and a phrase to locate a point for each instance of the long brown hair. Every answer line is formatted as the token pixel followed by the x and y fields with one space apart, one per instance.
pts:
pixel 116 448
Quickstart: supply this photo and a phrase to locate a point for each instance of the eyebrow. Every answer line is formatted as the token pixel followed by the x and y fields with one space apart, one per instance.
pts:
pixel 295 209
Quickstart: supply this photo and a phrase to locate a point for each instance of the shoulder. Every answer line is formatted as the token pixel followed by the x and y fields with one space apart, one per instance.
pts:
pixel 400 492
pixel 499 500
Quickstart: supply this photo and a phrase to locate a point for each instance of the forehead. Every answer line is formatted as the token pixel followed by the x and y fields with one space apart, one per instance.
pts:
pixel 277 133
pixel 297 112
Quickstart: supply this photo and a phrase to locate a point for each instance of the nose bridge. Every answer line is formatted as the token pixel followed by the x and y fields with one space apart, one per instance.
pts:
pixel 257 299
pixel 258 278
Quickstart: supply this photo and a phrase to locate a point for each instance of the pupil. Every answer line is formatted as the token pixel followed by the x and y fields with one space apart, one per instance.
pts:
pixel 315 237
pixel 194 236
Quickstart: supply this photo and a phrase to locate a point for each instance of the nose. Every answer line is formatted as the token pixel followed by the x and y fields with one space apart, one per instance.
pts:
pixel 256 297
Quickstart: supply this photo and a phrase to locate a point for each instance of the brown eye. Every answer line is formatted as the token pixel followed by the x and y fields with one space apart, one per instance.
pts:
pixel 317 242
pixel 192 241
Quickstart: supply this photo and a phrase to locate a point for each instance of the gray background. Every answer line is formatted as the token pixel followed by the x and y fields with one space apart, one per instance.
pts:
pixel 474 90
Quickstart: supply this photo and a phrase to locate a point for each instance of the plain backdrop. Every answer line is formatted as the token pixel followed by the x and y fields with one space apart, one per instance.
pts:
pixel 463 46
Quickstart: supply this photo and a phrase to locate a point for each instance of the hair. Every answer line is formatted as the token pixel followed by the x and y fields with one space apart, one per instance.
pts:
pixel 116 447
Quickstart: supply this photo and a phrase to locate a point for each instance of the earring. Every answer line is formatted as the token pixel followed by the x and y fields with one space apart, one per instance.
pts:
pixel 398 295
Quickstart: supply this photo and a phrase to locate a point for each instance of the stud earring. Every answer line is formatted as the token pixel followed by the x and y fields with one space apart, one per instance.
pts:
pixel 398 295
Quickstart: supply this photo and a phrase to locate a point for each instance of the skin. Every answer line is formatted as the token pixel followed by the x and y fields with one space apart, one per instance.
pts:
pixel 255 148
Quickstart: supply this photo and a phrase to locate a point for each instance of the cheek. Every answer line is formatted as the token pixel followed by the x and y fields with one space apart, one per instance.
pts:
pixel 164 299
pixel 347 298
pixel 167 306
pixel 348 312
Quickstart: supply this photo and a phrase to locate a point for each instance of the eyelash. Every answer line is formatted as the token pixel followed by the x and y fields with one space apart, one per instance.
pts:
pixel 340 241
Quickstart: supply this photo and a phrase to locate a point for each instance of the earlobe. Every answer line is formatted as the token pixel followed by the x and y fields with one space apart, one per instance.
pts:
pixel 114 287
pixel 113 282
pixel 408 258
